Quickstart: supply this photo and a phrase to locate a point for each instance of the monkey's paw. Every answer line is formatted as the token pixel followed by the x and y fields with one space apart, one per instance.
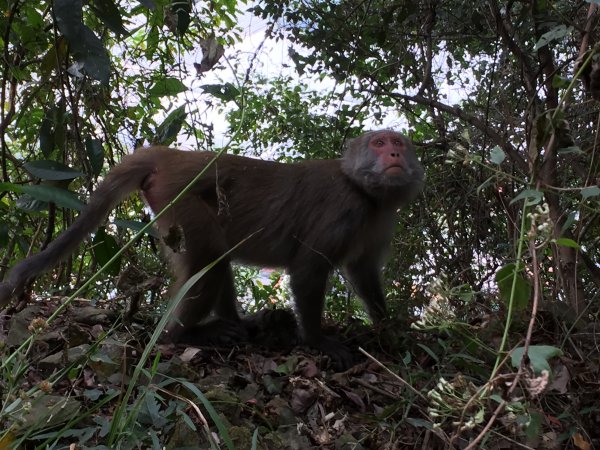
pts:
pixel 218 332
pixel 342 358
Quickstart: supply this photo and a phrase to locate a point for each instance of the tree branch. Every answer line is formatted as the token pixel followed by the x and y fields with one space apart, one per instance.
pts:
pixel 478 123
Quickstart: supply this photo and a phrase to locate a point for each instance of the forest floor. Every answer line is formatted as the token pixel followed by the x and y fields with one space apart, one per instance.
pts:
pixel 409 389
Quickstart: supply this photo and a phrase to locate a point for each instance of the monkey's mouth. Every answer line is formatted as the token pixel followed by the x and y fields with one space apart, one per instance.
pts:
pixel 396 171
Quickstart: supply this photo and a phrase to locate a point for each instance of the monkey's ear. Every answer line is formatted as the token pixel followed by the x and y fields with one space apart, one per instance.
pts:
pixel 348 143
pixel 351 144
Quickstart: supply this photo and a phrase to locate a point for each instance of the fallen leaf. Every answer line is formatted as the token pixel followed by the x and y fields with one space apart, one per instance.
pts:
pixel 580 442
pixel 189 353
pixel 561 379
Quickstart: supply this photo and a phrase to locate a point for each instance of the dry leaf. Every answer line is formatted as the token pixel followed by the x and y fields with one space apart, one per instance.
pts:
pixel 580 442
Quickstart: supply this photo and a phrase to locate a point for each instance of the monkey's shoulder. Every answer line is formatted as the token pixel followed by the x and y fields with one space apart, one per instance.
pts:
pixel 232 162
pixel 254 171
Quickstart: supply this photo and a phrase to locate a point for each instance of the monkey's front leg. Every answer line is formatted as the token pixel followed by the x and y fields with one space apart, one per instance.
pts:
pixel 365 278
pixel 308 285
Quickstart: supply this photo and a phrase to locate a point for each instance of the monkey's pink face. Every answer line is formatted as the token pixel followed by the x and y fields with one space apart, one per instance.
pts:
pixel 390 151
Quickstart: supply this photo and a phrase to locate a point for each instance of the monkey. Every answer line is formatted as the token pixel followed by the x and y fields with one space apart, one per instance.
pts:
pixel 307 217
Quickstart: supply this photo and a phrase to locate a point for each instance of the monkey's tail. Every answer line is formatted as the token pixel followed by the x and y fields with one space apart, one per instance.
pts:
pixel 121 181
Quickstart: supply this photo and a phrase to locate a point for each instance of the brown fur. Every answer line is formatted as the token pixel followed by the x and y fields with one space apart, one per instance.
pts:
pixel 310 217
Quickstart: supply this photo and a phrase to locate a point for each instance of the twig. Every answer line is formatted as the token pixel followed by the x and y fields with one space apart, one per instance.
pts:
pixel 375 389
pixel 395 375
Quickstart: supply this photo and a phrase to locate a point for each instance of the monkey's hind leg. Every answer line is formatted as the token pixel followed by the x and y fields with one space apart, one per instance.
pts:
pixel 196 240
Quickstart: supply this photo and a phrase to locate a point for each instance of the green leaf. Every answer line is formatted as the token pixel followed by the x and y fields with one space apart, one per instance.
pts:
pixel 560 82
pixel 52 129
pixel 92 54
pixel 4 236
pixel 51 170
pixel 226 92
pixel 573 149
pixel 167 86
pixel 152 40
pixel 86 47
pixel 46 136
pixel 92 394
pixel 61 197
pixel 556 33
pixel 419 423
pixel 29 204
pixel 591 191
pixel 538 355
pixel 54 57
pixel 497 155
pixel 182 10
pixel 571 218
pixel 167 131
pixel 104 248
pixel 566 242
pixel 107 11
pixel 136 226
pixel 430 352
pixel 212 412
pixel 485 184
pixel 531 196
pixel 95 154
pixel 533 428
pixel 505 278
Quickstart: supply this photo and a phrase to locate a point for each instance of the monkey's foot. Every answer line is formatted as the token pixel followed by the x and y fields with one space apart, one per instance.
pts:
pixel 272 328
pixel 217 331
pixel 341 356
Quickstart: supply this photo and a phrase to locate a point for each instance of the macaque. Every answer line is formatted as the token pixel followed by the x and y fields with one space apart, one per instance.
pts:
pixel 309 218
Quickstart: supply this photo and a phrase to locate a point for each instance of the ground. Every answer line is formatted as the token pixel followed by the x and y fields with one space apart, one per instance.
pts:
pixel 409 389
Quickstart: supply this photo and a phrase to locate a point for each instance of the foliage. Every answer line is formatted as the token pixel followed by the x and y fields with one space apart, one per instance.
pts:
pixel 455 79
pixel 70 108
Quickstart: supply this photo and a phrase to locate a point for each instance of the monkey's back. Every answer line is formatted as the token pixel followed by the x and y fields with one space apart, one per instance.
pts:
pixel 298 209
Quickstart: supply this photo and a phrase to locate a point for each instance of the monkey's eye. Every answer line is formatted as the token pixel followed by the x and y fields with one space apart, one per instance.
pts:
pixel 379 142
pixel 397 142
